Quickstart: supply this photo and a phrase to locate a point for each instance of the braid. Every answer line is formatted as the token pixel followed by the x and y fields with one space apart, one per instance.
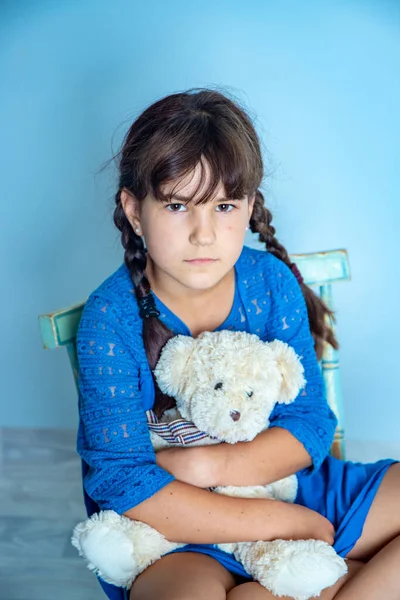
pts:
pixel 318 313
pixel 155 333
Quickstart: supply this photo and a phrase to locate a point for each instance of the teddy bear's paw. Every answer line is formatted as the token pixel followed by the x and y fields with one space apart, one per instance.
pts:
pixel 299 569
pixel 116 548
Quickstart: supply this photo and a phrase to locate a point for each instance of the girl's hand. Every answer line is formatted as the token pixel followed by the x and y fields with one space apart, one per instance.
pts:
pixel 196 465
pixel 308 524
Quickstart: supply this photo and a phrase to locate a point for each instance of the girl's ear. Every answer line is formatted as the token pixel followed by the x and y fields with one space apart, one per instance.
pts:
pixel 252 199
pixel 172 362
pixel 131 207
pixel 291 370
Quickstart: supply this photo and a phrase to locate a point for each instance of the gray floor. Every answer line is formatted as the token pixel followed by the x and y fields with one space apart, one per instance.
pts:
pixel 41 501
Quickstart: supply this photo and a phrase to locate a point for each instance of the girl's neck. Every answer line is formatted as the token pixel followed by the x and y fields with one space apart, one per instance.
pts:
pixel 200 310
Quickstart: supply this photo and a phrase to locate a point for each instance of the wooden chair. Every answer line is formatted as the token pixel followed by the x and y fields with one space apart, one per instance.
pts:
pixel 319 270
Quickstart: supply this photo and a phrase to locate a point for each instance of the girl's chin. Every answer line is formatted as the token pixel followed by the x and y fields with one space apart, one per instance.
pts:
pixel 200 281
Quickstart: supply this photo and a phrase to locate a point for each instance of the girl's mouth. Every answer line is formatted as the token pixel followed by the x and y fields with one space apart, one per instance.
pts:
pixel 201 261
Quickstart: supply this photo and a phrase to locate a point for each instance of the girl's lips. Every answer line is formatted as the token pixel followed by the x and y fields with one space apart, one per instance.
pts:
pixel 201 261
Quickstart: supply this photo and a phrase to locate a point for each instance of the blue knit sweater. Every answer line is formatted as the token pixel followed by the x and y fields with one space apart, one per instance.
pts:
pixel 116 386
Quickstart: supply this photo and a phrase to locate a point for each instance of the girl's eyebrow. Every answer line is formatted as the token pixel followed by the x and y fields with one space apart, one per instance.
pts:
pixel 185 199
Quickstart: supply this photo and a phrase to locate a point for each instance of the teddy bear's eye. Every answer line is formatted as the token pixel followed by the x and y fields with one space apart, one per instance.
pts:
pixel 218 385
pixel 250 394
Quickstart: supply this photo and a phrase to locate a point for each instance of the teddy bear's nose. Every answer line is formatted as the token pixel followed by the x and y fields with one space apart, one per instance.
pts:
pixel 234 415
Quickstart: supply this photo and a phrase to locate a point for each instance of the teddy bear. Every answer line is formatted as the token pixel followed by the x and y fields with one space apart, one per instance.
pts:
pixel 225 384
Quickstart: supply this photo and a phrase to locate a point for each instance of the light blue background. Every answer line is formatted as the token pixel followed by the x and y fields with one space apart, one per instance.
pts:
pixel 321 80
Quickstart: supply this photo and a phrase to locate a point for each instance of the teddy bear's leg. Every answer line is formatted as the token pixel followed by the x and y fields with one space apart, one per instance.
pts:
pixel 299 569
pixel 118 549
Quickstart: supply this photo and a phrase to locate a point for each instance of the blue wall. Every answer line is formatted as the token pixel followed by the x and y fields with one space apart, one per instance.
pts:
pixel 321 80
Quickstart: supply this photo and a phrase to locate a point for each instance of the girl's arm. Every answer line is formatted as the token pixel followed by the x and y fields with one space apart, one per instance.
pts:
pixel 113 437
pixel 272 455
pixel 187 514
pixel 243 463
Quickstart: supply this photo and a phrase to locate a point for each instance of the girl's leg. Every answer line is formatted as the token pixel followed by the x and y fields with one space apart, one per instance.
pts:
pixel 181 576
pixel 380 578
pixel 254 591
pixel 383 521
pixel 380 542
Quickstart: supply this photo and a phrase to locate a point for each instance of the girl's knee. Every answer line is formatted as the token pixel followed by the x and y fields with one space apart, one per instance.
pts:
pixel 250 591
pixel 183 576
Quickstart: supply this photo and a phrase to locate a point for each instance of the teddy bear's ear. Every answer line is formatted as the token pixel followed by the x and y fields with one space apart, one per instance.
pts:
pixel 291 370
pixel 171 364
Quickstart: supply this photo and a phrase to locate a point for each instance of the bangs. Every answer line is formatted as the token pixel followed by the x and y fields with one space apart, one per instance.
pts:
pixel 210 179
pixel 174 152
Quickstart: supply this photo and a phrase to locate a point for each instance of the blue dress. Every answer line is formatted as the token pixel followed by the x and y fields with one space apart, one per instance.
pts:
pixel 267 302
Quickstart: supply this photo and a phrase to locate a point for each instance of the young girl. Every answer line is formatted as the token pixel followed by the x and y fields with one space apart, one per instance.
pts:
pixel 190 171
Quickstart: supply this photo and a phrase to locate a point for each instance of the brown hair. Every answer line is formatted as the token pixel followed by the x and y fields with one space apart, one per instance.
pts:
pixel 164 144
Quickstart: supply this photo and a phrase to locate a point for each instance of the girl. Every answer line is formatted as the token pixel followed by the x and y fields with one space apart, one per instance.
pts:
pixel 190 171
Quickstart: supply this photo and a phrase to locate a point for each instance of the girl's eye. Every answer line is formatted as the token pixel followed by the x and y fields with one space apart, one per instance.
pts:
pixel 249 394
pixel 229 206
pixel 175 205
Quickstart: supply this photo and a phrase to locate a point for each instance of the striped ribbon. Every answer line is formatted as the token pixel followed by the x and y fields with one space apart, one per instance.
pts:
pixel 184 433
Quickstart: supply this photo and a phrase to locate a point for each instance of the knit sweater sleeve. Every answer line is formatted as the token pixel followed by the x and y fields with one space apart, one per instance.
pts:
pixel 113 437
pixel 309 418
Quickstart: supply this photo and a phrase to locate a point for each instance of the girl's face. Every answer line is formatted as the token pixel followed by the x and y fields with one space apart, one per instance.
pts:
pixel 176 234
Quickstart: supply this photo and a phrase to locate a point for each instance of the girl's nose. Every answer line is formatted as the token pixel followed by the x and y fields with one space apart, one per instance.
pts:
pixel 203 232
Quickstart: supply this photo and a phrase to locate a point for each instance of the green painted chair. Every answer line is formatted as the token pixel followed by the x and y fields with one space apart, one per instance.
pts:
pixel 319 270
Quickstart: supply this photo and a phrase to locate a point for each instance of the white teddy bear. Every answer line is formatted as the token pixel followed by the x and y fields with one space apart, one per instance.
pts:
pixel 226 385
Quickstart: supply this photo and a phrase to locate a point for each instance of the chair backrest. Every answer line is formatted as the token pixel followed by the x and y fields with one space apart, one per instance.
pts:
pixel 319 270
